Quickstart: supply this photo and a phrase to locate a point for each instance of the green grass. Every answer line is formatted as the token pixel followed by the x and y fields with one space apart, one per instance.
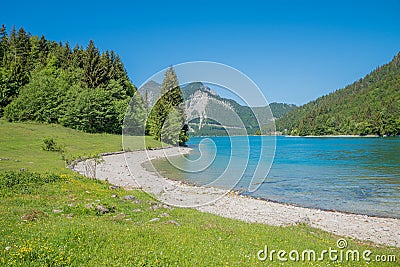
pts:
pixel 21 146
pixel 48 217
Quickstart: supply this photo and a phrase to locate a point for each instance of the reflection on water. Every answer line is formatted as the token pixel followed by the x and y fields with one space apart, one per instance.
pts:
pixel 360 175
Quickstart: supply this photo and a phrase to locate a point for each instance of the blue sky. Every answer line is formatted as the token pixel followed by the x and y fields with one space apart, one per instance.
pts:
pixel 295 51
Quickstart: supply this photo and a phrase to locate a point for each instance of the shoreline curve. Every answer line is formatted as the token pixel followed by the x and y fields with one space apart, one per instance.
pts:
pixel 115 170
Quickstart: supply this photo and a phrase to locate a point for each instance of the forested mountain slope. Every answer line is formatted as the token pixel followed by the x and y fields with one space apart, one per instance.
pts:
pixel 369 106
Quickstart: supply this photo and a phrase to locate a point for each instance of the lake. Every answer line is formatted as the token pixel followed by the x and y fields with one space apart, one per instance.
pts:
pixel 349 174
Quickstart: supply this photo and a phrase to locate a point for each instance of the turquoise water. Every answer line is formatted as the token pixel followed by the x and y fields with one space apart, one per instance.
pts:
pixel 357 175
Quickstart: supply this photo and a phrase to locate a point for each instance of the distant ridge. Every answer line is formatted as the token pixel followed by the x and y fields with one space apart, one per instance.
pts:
pixel 199 98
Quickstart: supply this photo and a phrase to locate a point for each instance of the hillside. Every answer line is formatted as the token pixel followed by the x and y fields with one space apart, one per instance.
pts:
pixel 369 106
pixel 48 82
pixel 203 103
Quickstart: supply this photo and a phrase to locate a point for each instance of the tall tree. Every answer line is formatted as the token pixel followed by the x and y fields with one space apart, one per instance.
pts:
pixel 3 45
pixel 43 50
pixel 77 57
pixel 64 55
pixel 166 121
pixel 15 71
pixel 93 71
pixel 23 47
pixel 12 43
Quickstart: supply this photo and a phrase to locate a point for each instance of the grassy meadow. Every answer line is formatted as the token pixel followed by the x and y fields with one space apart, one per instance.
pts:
pixel 50 216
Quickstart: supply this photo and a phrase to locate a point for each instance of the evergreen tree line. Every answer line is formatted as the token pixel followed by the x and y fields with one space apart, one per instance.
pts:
pixel 370 106
pixel 46 81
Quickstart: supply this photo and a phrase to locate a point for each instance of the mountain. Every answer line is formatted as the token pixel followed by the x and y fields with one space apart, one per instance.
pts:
pixel 229 117
pixel 280 109
pixel 150 91
pixel 369 106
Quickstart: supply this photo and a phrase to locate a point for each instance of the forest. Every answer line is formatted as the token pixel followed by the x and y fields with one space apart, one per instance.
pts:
pixel 369 106
pixel 83 89
pixel 48 82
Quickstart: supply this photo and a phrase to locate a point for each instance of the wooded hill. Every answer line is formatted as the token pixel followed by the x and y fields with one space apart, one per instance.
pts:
pixel 46 81
pixel 369 106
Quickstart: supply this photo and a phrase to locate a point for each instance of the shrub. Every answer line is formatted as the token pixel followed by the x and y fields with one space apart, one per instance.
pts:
pixel 50 145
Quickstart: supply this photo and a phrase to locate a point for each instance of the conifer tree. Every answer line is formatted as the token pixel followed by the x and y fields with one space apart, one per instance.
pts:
pixel 91 66
pixel 12 43
pixel 166 119
pixel 3 45
pixel 23 47
pixel 77 57
pixel 43 50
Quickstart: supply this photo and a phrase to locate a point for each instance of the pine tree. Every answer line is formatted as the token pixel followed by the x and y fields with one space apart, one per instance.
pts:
pixel 171 127
pixel 170 81
pixel 119 70
pixel 77 57
pixel 3 45
pixel 15 58
pixel 66 54
pixel 35 52
pixel 43 50
pixel 23 47
pixel 12 42
pixel 63 55
pixel 106 63
pixel 92 77
pixel 166 119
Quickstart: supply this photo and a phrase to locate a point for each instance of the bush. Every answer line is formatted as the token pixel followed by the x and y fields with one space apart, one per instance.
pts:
pixel 94 111
pixel 50 145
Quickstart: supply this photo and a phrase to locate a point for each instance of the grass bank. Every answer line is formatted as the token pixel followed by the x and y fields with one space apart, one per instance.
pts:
pixel 50 216
pixel 21 146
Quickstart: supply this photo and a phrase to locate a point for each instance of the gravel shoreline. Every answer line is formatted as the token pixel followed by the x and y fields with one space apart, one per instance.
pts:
pixel 114 169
